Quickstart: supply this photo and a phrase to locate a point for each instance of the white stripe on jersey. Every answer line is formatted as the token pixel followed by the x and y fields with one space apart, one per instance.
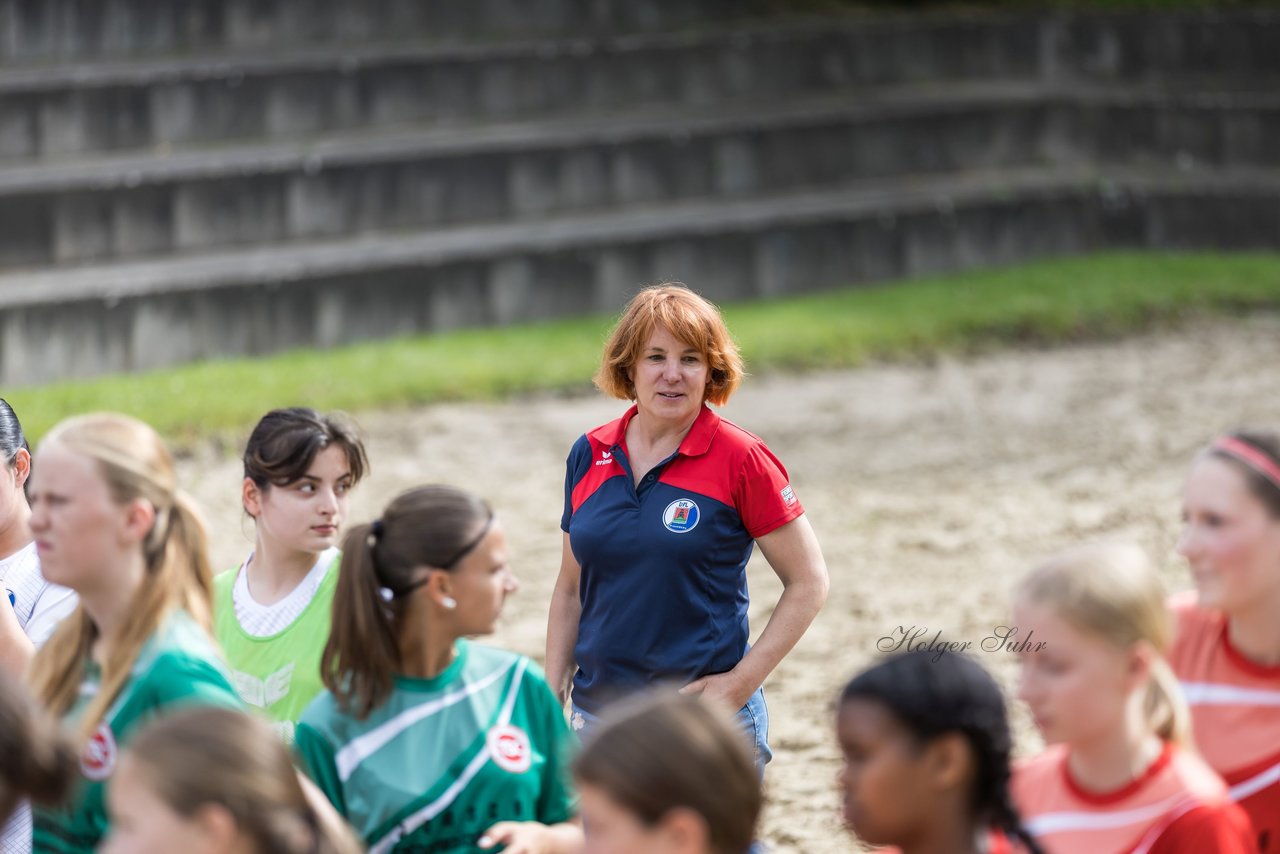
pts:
pixel 1256 783
pixel 1055 822
pixel 440 804
pixel 361 748
pixel 1213 694
pixel 1153 835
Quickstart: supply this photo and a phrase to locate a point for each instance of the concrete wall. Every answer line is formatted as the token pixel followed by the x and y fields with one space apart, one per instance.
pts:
pixel 161 207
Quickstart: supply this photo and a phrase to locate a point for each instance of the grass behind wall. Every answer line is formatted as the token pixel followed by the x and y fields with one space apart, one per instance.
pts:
pixel 1042 303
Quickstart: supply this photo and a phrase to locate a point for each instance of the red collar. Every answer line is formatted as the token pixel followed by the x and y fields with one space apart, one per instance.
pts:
pixel 1117 795
pixel 695 443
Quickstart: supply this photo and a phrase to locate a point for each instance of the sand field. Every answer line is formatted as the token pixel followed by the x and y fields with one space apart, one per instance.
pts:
pixel 932 486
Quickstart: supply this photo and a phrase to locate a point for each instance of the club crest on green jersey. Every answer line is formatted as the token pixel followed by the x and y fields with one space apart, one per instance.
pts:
pixel 509 748
pixel 98 759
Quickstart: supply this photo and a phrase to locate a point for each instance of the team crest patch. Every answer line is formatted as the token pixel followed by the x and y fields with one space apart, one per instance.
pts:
pixel 681 516
pixel 99 757
pixel 509 749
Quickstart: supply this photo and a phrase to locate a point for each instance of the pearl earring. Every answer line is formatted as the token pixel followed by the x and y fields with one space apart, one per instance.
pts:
pixel 449 602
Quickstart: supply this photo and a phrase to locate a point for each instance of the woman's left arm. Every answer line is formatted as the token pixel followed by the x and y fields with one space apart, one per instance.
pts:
pixel 792 551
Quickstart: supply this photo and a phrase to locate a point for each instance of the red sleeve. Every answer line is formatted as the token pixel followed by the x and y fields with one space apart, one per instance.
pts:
pixel 1221 828
pixel 763 495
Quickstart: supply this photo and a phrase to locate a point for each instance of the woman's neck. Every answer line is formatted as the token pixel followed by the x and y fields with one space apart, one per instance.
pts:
pixel 646 432
pixel 1255 633
pixel 1117 757
pixel 274 571
pixel 427 647
pixel 15 531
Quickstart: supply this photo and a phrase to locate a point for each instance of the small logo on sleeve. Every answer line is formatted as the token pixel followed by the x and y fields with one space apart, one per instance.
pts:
pixel 99 757
pixel 509 749
pixel 788 495
pixel 681 516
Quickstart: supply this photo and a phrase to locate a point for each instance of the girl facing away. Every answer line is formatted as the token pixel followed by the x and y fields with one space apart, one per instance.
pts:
pixel 111 524
pixel 666 773
pixel 487 737
pixel 1226 649
pixel 271 614
pixel 926 748
pixel 216 781
pixel 1118 774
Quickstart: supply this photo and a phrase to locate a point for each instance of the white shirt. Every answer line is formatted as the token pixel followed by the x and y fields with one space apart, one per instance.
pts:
pixel 263 621
pixel 39 606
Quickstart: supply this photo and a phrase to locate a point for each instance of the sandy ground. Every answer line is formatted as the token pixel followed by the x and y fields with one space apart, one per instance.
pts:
pixel 932 487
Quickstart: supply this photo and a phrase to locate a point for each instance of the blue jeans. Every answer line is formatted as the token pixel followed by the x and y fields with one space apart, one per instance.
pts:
pixel 753 718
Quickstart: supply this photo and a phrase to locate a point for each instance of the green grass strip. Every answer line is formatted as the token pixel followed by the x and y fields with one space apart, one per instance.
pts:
pixel 1041 303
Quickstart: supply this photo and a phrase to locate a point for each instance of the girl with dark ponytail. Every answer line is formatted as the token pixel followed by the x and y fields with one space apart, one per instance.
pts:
pixel 926 748
pixel 217 781
pixel 425 741
pixel 31 607
pixel 35 606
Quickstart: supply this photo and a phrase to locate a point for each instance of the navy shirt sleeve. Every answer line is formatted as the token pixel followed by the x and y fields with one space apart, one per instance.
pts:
pixel 575 468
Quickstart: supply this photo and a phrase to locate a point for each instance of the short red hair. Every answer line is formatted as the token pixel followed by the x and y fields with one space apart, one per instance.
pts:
pixel 687 316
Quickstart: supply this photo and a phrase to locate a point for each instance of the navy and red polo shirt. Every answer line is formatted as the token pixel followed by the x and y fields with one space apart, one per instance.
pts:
pixel 663 580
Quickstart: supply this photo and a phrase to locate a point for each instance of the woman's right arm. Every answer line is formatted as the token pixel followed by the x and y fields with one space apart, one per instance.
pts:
pixel 562 625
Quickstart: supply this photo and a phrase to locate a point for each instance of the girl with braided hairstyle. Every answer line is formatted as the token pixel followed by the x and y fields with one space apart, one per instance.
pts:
pixel 1226 649
pixel 926 749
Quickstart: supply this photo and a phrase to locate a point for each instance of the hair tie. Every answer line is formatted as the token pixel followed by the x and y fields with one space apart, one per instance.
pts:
pixel 375 533
pixel 1253 457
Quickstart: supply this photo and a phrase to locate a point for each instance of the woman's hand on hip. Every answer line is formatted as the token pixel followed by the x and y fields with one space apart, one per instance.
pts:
pixel 727 688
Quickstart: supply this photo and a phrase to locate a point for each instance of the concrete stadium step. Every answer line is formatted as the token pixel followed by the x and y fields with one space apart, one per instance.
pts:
pixel 163 104
pixel 139 315
pixel 124 206
pixel 49 30
pixel 160 104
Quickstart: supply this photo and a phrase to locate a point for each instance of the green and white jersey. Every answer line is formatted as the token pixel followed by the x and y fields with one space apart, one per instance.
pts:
pixel 178 666
pixel 278 673
pixel 445 758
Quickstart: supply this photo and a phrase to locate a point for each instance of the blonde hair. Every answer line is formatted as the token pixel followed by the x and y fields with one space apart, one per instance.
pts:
pixel 688 317
pixel 1111 590
pixel 135 464
pixel 210 755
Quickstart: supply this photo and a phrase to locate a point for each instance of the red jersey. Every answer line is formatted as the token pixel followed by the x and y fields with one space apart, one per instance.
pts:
pixel 1177 806
pixel 1235 712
